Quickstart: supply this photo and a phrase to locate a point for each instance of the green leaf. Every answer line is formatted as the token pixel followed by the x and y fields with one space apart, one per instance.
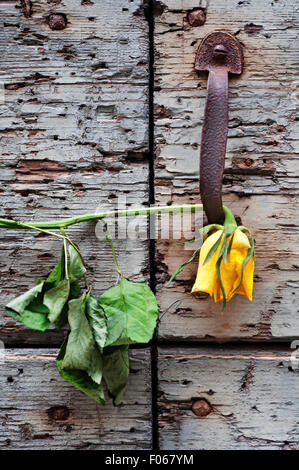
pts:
pixel 80 379
pixel 33 320
pixel 62 319
pixel 20 303
pixel 131 310
pixel 76 267
pixel 56 298
pixel 213 250
pixel 180 268
pixel 95 370
pixel 116 371
pixel 116 333
pixel 37 306
pixel 97 321
pixel 29 310
pixel 57 272
pixel 74 294
pixel 75 290
pixel 81 344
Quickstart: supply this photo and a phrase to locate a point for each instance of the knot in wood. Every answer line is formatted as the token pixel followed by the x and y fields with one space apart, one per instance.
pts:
pixel 57 21
pixel 58 413
pixel 196 17
pixel 201 407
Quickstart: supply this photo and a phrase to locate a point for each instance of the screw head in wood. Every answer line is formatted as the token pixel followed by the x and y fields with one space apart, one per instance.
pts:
pixel 196 17
pixel 57 21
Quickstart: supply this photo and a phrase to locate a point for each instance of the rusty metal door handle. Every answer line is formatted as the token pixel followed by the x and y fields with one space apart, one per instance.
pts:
pixel 219 53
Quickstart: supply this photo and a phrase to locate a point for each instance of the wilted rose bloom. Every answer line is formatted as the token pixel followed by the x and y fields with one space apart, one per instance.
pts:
pixel 230 272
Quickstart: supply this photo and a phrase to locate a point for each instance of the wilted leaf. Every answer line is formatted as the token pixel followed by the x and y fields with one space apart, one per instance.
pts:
pixel 76 267
pixel 81 344
pixel 80 379
pixel 116 371
pixel 56 298
pixel 57 272
pixel 131 310
pixel 116 329
pixel 75 290
pixel 97 320
pixel 95 370
pixel 22 301
pixel 29 309
pixel 74 294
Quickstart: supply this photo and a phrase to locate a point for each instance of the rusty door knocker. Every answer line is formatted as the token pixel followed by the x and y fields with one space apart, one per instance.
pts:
pixel 219 53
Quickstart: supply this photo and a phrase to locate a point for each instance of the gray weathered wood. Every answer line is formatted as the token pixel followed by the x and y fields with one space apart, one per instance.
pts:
pixel 41 411
pixel 247 398
pixel 261 174
pixel 74 137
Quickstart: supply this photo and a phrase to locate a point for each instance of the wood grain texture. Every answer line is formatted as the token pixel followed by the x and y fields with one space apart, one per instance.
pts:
pixel 246 398
pixel 74 137
pixel 41 411
pixel 261 171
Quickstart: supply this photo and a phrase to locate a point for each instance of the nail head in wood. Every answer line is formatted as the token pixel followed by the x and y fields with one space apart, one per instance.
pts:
pixel 201 407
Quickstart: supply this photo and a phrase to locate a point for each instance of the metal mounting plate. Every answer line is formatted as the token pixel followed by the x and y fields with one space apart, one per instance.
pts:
pixel 205 57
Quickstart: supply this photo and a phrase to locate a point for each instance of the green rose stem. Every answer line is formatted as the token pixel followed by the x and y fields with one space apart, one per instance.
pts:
pixel 229 224
pixel 14 224
pixel 62 224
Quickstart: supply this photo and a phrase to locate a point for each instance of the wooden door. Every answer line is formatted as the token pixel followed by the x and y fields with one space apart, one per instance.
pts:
pixel 74 129
pixel 79 111
pixel 247 391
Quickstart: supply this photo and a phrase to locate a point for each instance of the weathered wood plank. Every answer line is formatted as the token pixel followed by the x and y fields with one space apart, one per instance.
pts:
pixel 39 410
pixel 74 137
pixel 261 174
pixel 244 399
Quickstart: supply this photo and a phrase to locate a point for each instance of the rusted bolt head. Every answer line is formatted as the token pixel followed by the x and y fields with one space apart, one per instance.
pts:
pixel 201 407
pixel 57 21
pixel 220 50
pixel 196 17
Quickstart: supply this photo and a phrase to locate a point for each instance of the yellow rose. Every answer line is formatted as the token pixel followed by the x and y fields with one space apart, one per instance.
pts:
pixel 207 279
